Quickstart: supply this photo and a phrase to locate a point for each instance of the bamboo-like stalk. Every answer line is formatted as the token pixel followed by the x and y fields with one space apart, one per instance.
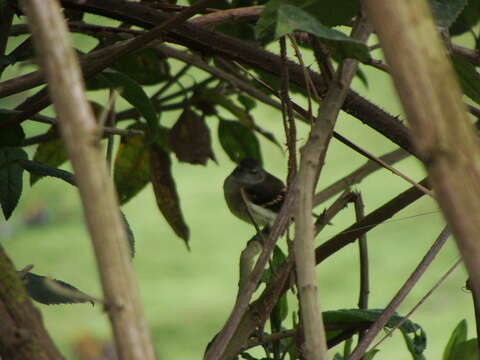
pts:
pixel 311 161
pixel 81 135
pixel 441 130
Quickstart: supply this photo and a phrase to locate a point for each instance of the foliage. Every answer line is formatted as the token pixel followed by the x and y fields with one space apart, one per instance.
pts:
pixel 159 126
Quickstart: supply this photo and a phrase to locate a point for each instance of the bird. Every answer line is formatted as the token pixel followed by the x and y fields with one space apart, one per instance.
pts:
pixel 262 192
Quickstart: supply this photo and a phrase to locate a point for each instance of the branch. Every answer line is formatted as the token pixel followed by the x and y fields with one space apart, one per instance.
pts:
pixel 338 205
pixel 278 286
pixel 197 38
pixel 387 313
pixel 375 218
pixel 356 176
pixel 219 345
pixel 419 303
pixel 100 59
pixel 311 162
pixel 363 254
pixel 442 131
pixel 80 132
pixel 229 16
pixel 472 55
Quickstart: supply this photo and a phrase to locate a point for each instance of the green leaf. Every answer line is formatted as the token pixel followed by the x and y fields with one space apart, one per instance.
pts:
pixel 370 354
pixel 416 344
pixel 292 18
pixel 40 169
pixel 131 91
pixel 238 141
pixel 468 77
pixel 6 60
pixel 144 66
pixel 280 310
pixel 414 335
pixel 459 335
pixel 166 192
pixel 267 21
pixel 467 19
pixel 130 236
pixel 131 169
pixel 190 140
pixel 11 181
pixel 445 12
pixel 334 12
pixel 40 290
pixel 355 316
pixel 247 102
pixel 278 258
pixel 347 348
pixel 466 350
pixel 52 153
pixel 10 136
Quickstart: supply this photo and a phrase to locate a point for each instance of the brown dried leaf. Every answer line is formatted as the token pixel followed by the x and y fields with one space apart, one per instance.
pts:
pixel 190 140
pixel 166 192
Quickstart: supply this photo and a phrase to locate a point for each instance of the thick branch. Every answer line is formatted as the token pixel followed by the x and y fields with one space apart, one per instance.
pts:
pixel 80 132
pixel 311 164
pixel 276 288
pixel 442 132
pixel 198 38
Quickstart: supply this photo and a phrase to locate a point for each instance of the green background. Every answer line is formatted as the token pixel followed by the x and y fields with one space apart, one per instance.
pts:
pixel 187 296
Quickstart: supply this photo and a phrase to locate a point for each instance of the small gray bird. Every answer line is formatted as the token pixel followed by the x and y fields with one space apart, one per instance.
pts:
pixel 264 193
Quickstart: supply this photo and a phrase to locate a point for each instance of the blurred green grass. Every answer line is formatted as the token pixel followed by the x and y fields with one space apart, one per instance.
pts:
pixel 188 295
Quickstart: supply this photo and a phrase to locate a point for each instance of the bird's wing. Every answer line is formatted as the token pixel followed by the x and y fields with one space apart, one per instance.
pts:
pixel 269 194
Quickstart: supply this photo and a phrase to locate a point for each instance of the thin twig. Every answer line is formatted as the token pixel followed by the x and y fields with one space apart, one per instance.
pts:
pixel 370 221
pixel 420 303
pixel 378 64
pixel 311 162
pixel 372 157
pixel 390 309
pixel 363 252
pixel 270 338
pixel 171 81
pixel 358 175
pixel 305 115
pixel 197 38
pixel 106 56
pixel 279 285
pixel 322 57
pixel 308 83
pixel 338 205
pixel 472 55
pixel 287 114
pixel 221 341
pixel 363 259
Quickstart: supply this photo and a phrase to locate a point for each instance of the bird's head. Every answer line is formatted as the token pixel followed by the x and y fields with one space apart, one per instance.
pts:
pixel 249 172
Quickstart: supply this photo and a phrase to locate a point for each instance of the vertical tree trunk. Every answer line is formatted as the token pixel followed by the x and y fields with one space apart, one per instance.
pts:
pixel 441 130
pixel 82 135
pixel 23 336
